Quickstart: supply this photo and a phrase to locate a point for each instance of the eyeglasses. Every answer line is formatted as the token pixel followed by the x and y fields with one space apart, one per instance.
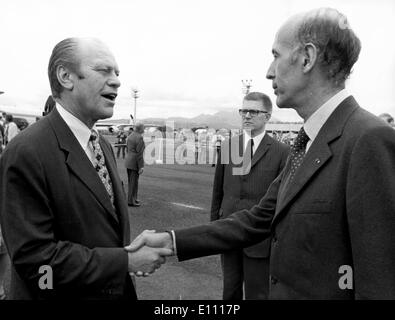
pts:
pixel 252 112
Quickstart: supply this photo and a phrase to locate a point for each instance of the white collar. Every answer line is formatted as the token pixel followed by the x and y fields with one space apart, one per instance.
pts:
pixel 77 127
pixel 316 121
pixel 257 139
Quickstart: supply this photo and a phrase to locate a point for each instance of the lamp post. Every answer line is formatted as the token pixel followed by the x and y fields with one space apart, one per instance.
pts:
pixel 135 95
pixel 246 86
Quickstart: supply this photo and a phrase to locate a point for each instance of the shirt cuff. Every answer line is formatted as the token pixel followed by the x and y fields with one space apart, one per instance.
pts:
pixel 173 236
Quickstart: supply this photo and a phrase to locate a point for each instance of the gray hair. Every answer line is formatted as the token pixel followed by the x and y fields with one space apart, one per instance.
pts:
pixel 337 44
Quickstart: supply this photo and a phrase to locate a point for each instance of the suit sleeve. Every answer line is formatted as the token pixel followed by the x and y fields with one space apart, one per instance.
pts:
pixel 129 144
pixel 241 229
pixel 218 190
pixel 140 152
pixel 30 229
pixel 371 214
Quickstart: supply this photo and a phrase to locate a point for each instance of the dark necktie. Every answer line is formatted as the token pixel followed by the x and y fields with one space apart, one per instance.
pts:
pixel 100 164
pixel 298 151
pixel 248 153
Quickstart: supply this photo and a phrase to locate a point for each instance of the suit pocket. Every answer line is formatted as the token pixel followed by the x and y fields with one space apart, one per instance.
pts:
pixel 313 207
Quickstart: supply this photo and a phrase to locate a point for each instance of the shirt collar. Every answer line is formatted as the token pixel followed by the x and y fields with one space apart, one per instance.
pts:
pixel 257 139
pixel 77 127
pixel 316 121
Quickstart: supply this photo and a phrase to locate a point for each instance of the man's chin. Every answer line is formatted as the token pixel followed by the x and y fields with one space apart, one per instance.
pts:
pixel 282 104
pixel 108 113
pixel 248 127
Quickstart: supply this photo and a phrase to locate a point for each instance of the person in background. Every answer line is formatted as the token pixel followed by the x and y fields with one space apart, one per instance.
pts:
pixel 246 271
pixel 388 119
pixel 11 129
pixel 121 143
pixel 3 266
pixel 49 105
pixel 216 142
pixel 2 118
pixel 134 162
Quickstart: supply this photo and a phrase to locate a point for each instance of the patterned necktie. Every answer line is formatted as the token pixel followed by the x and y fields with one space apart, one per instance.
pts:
pixel 298 151
pixel 100 164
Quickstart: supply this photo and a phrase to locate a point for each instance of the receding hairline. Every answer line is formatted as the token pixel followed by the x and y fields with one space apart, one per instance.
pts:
pixel 289 29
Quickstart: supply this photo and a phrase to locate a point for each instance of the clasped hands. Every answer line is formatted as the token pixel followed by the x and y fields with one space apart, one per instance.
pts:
pixel 148 252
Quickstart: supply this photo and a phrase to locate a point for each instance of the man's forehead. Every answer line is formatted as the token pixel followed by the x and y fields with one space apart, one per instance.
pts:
pixel 94 50
pixel 286 35
pixel 253 104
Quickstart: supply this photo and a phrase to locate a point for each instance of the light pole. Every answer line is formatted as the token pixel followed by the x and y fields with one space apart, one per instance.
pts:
pixel 247 84
pixel 135 95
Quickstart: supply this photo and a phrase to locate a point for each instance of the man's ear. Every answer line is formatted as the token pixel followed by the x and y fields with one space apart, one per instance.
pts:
pixel 65 77
pixel 310 55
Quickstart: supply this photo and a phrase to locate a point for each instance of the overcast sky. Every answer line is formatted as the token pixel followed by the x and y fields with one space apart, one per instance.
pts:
pixel 185 57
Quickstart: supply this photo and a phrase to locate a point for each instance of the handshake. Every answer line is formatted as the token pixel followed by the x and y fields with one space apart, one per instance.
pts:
pixel 148 252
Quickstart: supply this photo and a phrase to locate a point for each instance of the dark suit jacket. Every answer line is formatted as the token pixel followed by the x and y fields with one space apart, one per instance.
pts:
pixel 338 210
pixel 56 211
pixel 232 192
pixel 135 147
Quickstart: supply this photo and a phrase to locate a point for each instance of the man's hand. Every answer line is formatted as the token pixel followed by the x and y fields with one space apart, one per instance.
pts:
pixel 141 171
pixel 153 240
pixel 146 260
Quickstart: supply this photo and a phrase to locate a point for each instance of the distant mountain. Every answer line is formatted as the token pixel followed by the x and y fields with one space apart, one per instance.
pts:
pixel 221 119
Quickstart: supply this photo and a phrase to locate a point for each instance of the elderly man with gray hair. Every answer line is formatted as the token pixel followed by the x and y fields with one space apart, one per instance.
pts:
pixel 331 211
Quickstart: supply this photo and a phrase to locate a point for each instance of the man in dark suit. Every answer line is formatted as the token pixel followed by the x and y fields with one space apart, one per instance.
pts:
pixel 264 158
pixel 331 212
pixel 134 162
pixel 63 212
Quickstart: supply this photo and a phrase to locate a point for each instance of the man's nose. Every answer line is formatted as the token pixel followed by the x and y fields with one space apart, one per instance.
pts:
pixel 270 72
pixel 114 81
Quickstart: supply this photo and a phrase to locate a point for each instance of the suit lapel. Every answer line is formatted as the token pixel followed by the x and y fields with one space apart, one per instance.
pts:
pixel 259 153
pixel 316 157
pixel 119 197
pixel 262 149
pixel 79 163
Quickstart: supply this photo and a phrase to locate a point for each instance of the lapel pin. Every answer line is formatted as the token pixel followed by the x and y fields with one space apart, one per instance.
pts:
pixel 317 161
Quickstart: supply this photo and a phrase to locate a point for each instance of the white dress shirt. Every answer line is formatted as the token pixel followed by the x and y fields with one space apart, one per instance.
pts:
pixel 317 120
pixel 257 140
pixel 79 129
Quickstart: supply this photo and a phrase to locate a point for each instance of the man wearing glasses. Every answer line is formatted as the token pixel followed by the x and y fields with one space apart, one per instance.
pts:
pixel 234 190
